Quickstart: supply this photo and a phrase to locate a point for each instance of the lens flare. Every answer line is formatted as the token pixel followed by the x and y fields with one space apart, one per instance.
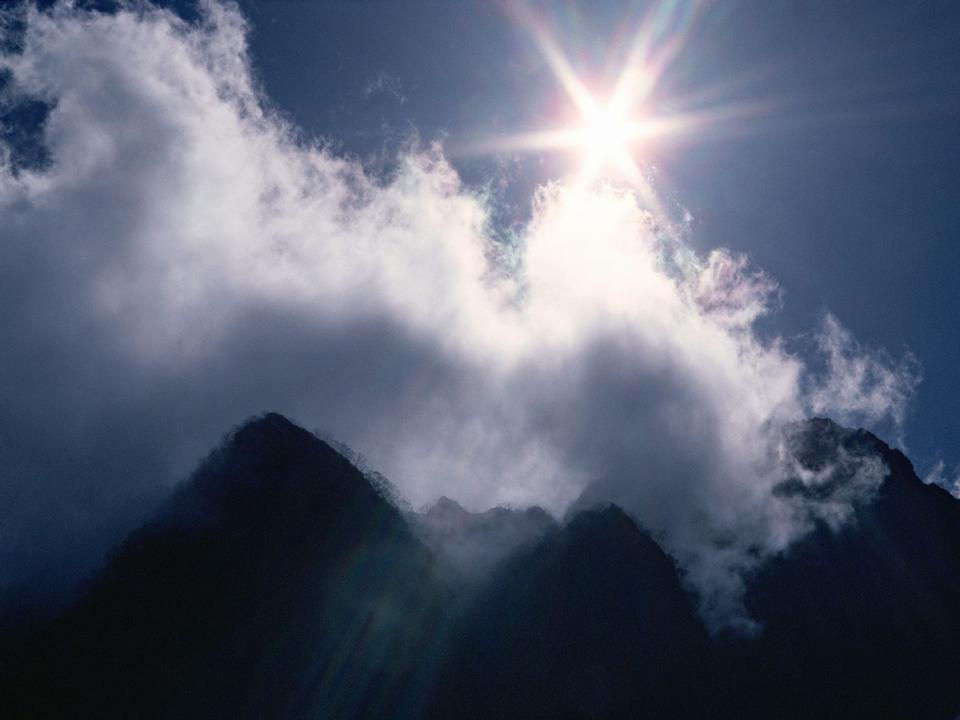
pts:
pixel 614 135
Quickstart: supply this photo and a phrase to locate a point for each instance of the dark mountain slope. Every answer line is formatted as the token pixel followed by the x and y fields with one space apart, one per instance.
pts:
pixel 863 621
pixel 275 583
pixel 590 622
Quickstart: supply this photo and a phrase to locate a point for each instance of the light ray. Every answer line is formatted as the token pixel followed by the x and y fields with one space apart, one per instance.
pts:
pixel 559 65
pixel 617 130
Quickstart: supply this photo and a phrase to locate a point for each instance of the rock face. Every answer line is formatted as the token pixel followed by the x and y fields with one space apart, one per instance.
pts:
pixel 279 582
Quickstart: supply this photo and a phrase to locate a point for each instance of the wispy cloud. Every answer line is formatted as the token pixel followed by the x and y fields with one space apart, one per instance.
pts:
pixel 946 478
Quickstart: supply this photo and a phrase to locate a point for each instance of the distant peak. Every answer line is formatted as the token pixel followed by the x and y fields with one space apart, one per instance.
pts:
pixel 445 507
pixel 816 442
pixel 826 430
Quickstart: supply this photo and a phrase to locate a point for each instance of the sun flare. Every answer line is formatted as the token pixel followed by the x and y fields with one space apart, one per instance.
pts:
pixel 615 131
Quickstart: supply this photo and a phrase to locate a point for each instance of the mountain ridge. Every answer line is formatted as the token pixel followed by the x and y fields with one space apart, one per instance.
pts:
pixel 277 581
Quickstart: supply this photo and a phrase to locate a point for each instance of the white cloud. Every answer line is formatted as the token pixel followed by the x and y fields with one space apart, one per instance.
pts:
pixel 861 387
pixel 948 480
pixel 186 262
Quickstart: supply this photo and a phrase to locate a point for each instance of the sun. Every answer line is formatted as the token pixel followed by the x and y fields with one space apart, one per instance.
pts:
pixel 612 134
pixel 610 139
pixel 618 129
pixel 606 136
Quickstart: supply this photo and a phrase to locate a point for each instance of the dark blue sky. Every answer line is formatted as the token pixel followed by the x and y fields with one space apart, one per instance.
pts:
pixel 845 190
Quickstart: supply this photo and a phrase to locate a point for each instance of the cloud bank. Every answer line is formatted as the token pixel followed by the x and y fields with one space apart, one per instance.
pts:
pixel 185 259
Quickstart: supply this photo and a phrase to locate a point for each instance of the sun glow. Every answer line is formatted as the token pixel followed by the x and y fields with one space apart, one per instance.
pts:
pixel 616 132
pixel 609 142
pixel 607 136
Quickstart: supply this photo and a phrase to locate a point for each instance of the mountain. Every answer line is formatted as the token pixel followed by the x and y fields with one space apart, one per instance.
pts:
pixel 275 583
pixel 279 581
pixel 862 620
pixel 469 545
pixel 590 622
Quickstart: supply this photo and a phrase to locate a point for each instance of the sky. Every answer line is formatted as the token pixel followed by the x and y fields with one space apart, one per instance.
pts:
pixel 844 190
pixel 216 210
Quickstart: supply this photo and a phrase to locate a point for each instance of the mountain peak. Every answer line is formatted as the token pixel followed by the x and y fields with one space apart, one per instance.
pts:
pixel 265 468
pixel 445 508
pixel 227 602
pixel 271 432
pixel 470 544
pixel 268 423
pixel 816 442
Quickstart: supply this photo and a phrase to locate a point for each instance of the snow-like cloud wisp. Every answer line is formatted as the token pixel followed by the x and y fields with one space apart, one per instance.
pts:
pixel 184 259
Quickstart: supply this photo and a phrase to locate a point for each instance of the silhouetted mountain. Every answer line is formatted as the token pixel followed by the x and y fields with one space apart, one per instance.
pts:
pixel 590 622
pixel 863 620
pixel 275 583
pixel 278 582
pixel 469 544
